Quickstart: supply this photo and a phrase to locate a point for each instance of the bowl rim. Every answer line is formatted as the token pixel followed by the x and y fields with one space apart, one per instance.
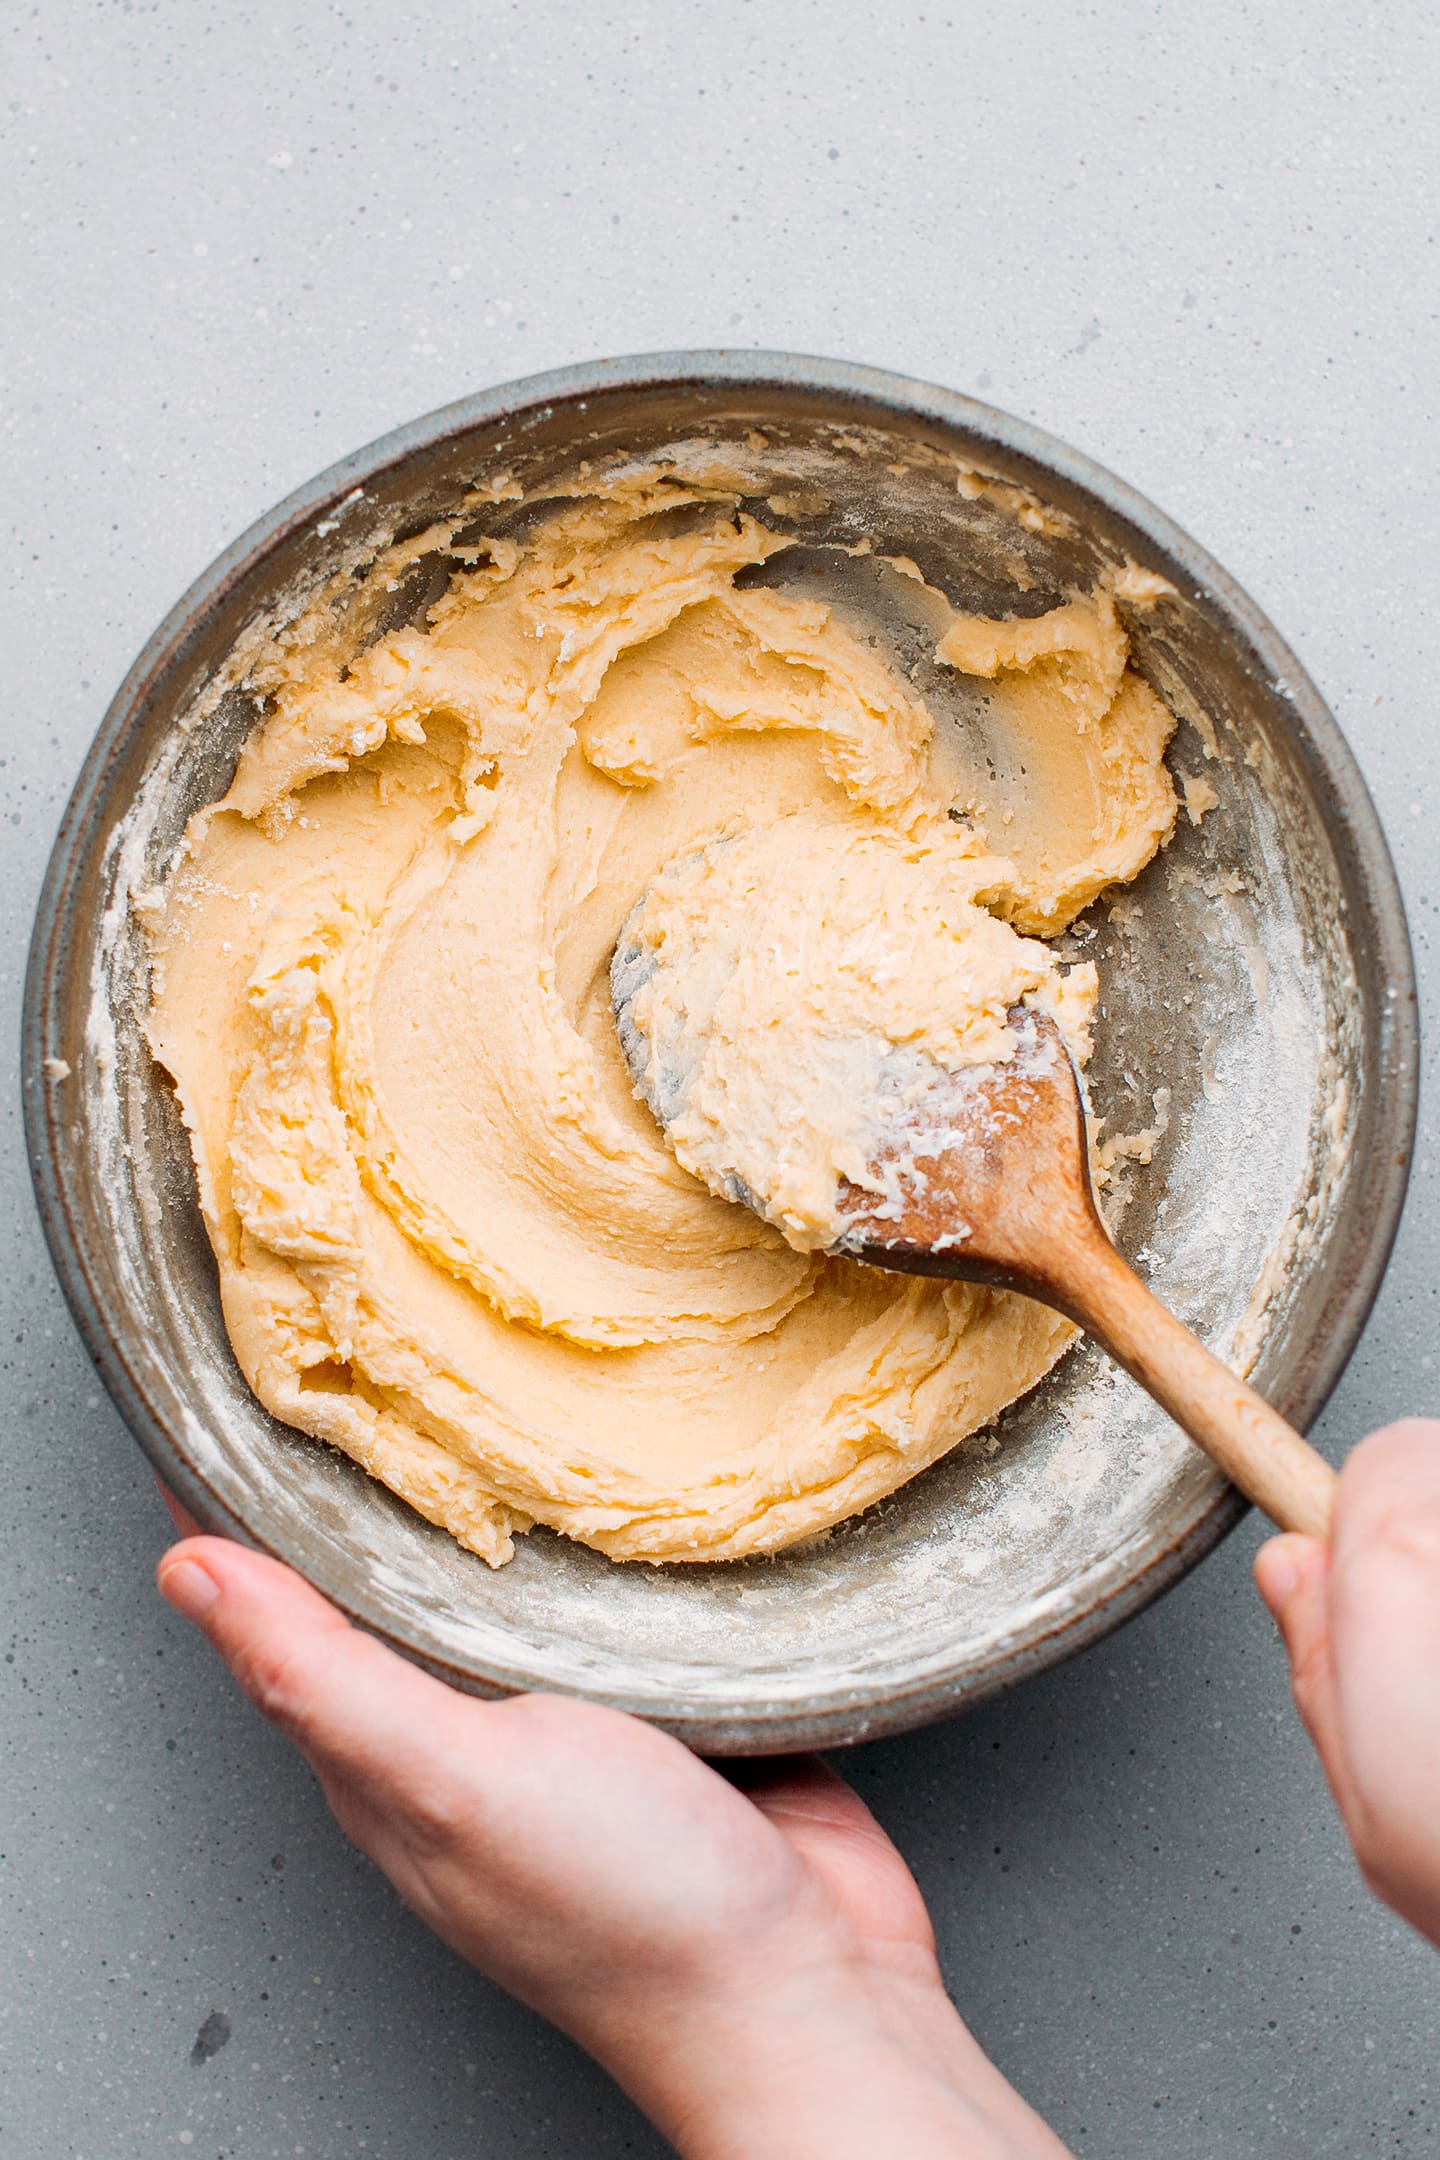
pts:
pixel 1347 808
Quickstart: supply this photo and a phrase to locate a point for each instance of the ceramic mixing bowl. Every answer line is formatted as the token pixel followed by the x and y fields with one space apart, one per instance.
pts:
pixel 1258 1019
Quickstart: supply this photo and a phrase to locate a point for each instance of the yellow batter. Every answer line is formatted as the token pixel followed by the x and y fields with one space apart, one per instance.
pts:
pixel 450 1239
pixel 788 990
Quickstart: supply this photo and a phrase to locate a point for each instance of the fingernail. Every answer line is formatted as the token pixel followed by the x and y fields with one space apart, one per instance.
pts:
pixel 190 1588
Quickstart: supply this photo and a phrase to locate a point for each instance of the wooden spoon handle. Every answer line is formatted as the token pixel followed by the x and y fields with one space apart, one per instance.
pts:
pixel 1252 1443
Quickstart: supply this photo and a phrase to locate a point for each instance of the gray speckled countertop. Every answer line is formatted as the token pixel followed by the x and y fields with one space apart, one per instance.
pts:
pixel 1199 242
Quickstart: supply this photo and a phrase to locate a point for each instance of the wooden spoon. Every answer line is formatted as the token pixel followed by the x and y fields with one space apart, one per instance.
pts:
pixel 988 1180
pixel 983 1174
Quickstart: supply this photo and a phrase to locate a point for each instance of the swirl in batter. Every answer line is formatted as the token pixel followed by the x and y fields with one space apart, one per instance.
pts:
pixel 450 1240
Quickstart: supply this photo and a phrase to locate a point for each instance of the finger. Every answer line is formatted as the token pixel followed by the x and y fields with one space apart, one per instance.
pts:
pixel 1292 1575
pixel 802 1787
pixel 823 1817
pixel 1385 1617
pixel 183 1520
pixel 1277 1570
pixel 363 1717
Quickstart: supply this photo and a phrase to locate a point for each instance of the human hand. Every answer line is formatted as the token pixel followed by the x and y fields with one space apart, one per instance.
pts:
pixel 1361 1621
pixel 755 1966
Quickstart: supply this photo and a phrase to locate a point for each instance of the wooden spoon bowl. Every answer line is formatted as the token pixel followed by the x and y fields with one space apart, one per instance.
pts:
pixel 987 1179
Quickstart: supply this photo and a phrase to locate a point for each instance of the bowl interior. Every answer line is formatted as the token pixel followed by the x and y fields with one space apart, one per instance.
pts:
pixel 1254 1025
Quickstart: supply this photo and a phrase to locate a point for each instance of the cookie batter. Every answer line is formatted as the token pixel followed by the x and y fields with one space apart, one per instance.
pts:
pixel 782 993
pixel 450 1240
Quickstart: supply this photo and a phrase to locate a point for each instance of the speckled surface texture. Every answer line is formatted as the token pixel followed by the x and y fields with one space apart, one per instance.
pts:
pixel 1200 244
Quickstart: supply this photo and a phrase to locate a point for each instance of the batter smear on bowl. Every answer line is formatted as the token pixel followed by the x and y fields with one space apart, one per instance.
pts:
pixel 451 1241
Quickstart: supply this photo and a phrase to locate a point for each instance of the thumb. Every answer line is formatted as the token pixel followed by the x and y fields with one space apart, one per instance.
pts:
pixel 365 1719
